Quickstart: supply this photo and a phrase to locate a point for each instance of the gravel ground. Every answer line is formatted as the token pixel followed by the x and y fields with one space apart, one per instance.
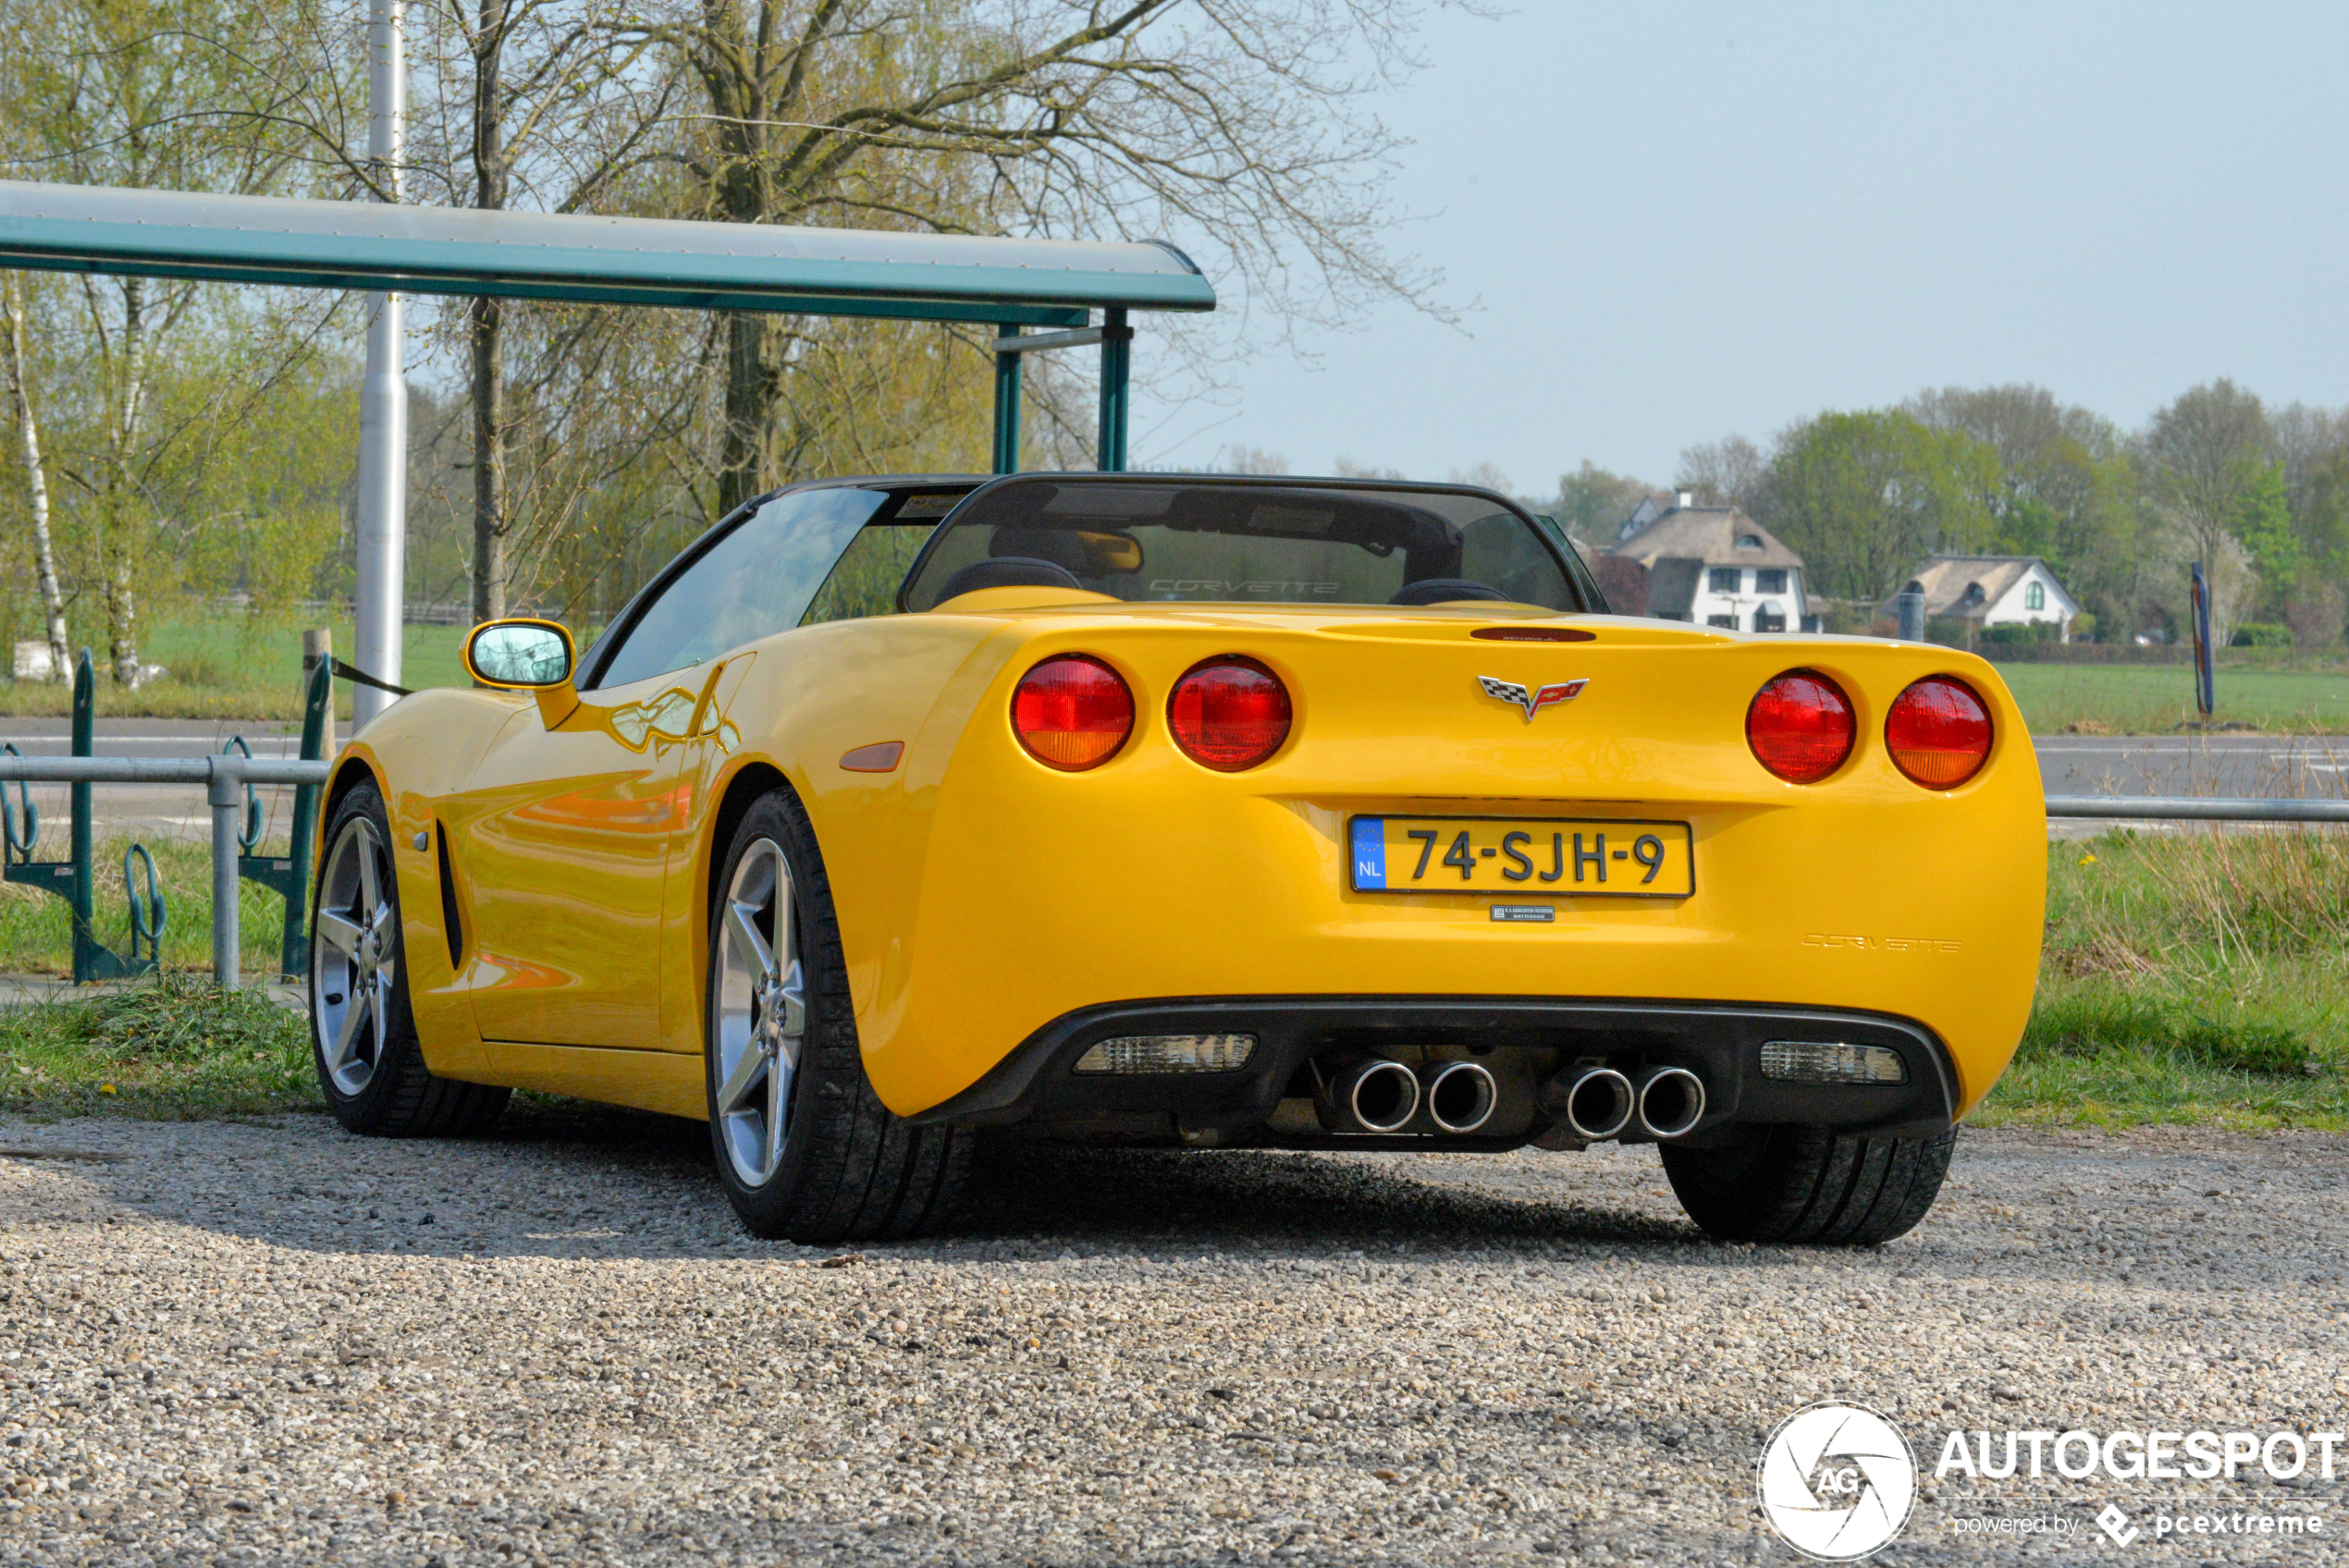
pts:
pixel 277 1344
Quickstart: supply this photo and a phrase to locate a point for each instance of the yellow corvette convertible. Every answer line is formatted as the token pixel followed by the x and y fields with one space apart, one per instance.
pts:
pixel 1205 812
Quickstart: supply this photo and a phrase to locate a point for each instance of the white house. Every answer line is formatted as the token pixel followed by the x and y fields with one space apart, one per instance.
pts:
pixel 1713 566
pixel 1993 591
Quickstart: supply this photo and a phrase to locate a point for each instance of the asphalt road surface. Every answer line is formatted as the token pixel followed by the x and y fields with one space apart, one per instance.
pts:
pixel 254 1344
pixel 2196 764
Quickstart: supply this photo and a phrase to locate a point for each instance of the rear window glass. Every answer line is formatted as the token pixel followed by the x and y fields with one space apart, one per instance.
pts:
pixel 1146 541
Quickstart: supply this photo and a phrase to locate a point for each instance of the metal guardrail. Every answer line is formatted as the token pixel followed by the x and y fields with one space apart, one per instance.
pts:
pixel 2198 808
pixel 224 778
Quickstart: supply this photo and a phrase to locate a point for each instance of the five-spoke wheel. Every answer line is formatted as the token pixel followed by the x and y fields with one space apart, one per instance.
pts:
pixel 806 1148
pixel 370 1064
pixel 759 1014
pixel 353 961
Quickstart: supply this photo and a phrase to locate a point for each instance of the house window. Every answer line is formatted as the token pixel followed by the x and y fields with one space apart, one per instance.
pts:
pixel 1749 541
pixel 1729 620
pixel 1770 618
pixel 2035 597
pixel 1769 580
pixel 1723 578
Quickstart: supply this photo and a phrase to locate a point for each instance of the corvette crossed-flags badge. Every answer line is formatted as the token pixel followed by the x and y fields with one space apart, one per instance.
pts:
pixel 1533 700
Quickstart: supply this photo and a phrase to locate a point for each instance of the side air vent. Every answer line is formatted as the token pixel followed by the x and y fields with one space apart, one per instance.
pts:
pixel 451 926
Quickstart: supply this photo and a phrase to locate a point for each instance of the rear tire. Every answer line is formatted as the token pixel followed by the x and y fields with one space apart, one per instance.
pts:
pixel 363 1033
pixel 1808 1185
pixel 805 1148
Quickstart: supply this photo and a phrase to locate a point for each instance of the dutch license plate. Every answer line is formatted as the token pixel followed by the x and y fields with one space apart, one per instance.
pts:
pixel 1453 854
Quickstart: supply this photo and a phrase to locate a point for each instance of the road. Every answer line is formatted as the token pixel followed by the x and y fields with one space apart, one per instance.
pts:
pixel 246 1344
pixel 2194 764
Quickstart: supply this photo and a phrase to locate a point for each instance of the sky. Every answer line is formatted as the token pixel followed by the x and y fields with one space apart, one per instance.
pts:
pixel 1673 222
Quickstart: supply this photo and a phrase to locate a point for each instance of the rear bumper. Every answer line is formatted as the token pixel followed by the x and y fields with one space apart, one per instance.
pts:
pixel 1720 1042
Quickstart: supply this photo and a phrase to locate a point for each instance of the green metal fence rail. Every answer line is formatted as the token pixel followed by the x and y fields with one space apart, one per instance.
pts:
pixel 230 779
pixel 71 878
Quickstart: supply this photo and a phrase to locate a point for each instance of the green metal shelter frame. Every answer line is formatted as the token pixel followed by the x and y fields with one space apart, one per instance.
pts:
pixel 1014 284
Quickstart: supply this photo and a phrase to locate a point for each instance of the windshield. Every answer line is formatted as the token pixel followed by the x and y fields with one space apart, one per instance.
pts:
pixel 1159 541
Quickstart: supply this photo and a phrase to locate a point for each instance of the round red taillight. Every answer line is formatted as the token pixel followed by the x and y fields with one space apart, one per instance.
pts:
pixel 1072 712
pixel 1800 726
pixel 1938 733
pixel 1229 713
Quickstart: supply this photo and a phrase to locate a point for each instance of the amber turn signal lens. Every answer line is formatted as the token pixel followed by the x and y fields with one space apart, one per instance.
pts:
pixel 1938 733
pixel 1800 726
pixel 1229 713
pixel 1072 712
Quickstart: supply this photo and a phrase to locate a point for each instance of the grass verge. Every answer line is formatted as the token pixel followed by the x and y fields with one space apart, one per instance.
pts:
pixel 171 1050
pixel 2197 978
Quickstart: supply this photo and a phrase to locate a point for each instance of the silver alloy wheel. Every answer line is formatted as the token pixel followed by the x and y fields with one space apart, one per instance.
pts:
pixel 759 1013
pixel 352 967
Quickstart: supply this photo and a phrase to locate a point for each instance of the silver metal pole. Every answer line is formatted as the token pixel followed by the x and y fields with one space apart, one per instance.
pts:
pixel 383 395
pixel 225 795
pixel 240 770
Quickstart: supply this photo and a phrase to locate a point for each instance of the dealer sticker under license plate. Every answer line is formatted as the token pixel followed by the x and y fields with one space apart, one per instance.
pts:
pixel 1586 859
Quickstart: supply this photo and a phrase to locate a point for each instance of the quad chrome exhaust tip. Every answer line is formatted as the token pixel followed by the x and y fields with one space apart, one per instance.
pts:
pixel 1376 1096
pixel 1671 1102
pixel 1461 1095
pixel 1595 1105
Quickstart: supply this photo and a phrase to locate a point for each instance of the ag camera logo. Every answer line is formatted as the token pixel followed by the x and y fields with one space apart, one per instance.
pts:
pixel 1838 1481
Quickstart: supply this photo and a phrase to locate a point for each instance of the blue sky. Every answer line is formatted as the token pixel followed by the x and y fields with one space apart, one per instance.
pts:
pixel 1679 221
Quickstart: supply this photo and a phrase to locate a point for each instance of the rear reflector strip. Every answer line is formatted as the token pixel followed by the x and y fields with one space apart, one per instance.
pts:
pixel 1168 1053
pixel 1818 1061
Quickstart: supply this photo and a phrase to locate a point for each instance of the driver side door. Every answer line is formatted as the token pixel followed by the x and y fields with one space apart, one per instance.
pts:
pixel 567 831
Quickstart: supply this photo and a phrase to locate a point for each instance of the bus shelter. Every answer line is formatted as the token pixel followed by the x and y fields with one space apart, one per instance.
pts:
pixel 1037 294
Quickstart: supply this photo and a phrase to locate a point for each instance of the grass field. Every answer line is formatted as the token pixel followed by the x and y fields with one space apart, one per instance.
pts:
pixel 2139 699
pixel 221 669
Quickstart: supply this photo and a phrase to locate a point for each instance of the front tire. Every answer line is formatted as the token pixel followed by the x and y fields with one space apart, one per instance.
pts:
pixel 1806 1185
pixel 806 1149
pixel 363 1033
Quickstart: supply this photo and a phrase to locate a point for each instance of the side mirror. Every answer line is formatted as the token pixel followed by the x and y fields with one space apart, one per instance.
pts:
pixel 527 656
pixel 515 654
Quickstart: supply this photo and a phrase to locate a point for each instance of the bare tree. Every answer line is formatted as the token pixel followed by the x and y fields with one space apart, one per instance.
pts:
pixel 1729 471
pixel 1254 460
pixel 1237 123
pixel 2204 450
pixel 133 92
pixel 2306 439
